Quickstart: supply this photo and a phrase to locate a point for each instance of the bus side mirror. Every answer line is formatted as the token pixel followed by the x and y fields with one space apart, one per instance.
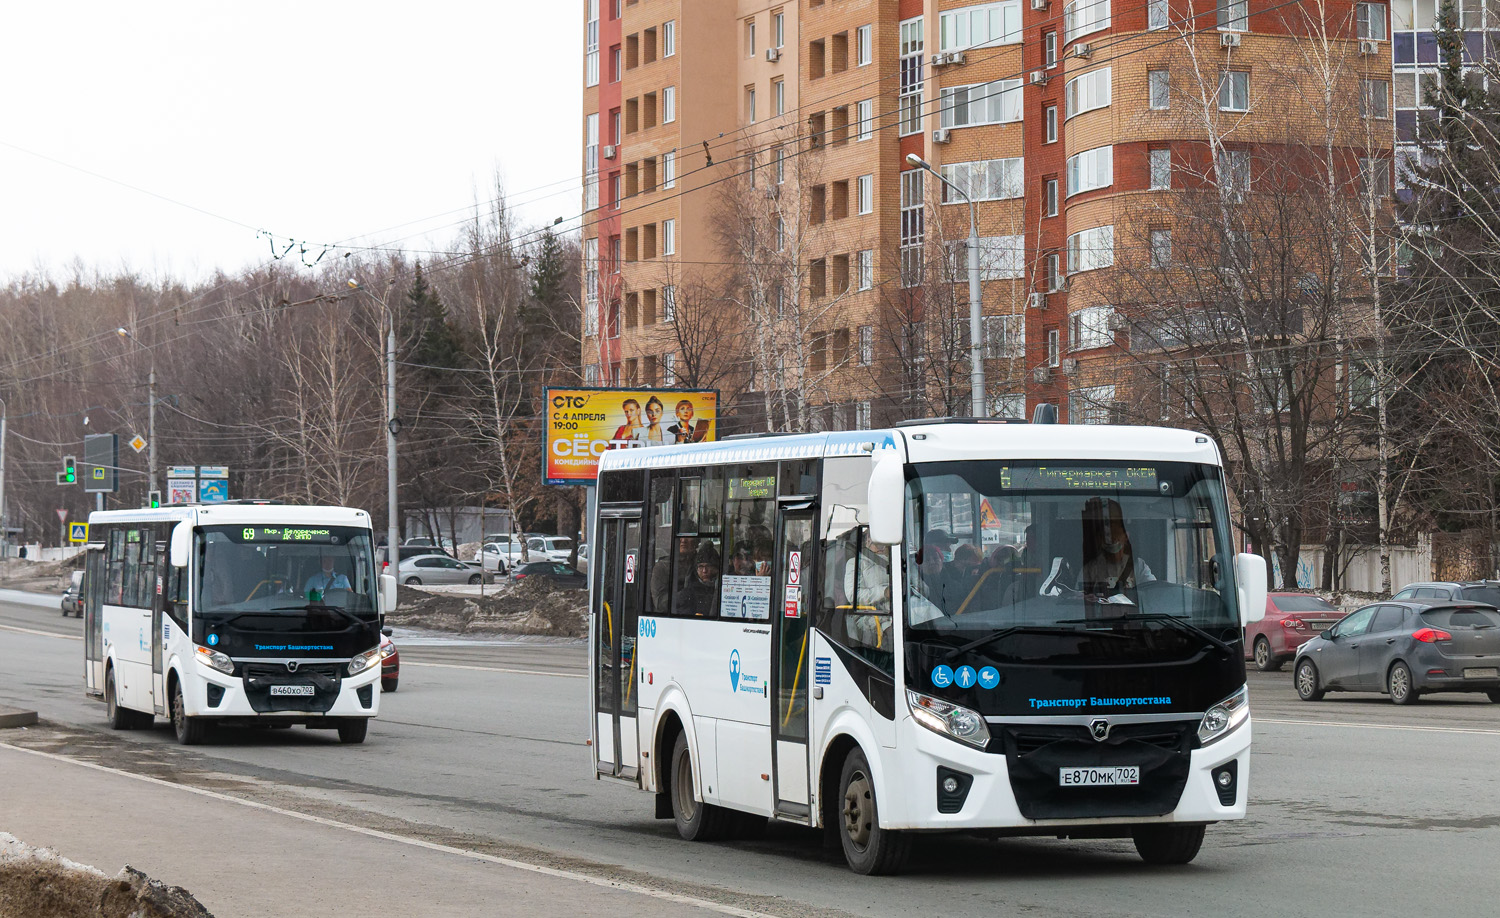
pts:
pixel 387 594
pixel 887 497
pixel 182 544
pixel 1250 587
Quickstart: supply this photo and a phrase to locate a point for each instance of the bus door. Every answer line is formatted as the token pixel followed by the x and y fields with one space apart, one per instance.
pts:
pixel 93 618
pixel 158 610
pixel 793 587
pixel 617 612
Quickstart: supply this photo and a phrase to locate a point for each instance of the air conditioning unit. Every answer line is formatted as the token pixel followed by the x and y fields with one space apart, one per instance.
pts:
pixel 1229 39
pixel 1070 366
pixel 773 54
pixel 1042 375
pixel 1369 47
pixel 609 151
pixel 955 57
pixel 1038 4
pixel 1083 49
pixel 1036 300
pixel 941 135
pixel 1039 77
pixel 941 59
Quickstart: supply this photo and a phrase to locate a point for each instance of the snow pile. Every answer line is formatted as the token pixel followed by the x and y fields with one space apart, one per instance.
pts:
pixel 534 605
pixel 38 883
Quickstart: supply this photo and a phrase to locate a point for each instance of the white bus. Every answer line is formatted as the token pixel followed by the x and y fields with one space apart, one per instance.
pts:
pixel 235 613
pixel 1007 629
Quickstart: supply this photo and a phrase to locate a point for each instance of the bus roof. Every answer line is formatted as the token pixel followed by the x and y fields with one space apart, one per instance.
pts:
pixel 233 514
pixel 938 442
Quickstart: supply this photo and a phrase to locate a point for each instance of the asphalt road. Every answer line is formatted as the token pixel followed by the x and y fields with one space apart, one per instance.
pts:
pixel 1357 807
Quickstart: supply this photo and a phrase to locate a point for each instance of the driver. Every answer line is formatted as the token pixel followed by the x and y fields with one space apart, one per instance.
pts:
pixel 327 578
pixel 1111 564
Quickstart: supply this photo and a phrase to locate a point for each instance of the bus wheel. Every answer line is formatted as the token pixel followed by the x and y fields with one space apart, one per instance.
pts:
pixel 119 718
pixel 696 821
pixel 869 849
pixel 1168 844
pixel 352 730
pixel 190 730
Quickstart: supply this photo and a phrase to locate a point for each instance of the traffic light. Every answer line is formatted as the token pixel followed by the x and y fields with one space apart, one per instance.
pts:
pixel 153 499
pixel 70 470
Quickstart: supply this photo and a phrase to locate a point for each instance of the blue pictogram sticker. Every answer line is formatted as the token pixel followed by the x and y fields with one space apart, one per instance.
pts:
pixel 942 676
pixel 989 677
pixel 213 640
pixel 734 670
pixel 965 677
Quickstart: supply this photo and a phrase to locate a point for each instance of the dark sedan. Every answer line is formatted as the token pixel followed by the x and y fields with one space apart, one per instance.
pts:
pixel 556 571
pixel 1405 649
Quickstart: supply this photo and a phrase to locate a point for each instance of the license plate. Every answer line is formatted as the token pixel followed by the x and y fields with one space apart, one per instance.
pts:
pixel 1116 776
pixel 293 690
pixel 1488 672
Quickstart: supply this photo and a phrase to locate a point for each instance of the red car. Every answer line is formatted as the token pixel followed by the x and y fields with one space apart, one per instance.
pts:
pixel 1291 619
pixel 390 662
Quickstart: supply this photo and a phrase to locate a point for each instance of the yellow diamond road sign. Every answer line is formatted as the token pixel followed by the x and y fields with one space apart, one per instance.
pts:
pixel 138 444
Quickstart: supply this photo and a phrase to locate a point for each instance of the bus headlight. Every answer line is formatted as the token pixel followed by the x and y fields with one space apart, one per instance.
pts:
pixel 216 660
pixel 949 719
pixel 364 661
pixel 1223 718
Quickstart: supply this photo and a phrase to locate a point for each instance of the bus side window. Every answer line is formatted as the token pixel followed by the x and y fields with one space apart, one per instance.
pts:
pixel 855 597
pixel 115 559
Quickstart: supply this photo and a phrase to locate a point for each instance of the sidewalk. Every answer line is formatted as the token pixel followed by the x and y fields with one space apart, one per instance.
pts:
pixel 244 861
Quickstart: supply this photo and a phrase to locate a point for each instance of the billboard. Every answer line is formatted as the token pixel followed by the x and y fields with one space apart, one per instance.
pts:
pixel 583 423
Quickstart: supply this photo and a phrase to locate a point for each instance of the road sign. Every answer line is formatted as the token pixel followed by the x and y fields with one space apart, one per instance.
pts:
pixel 101 461
pixel 78 532
pixel 138 443
pixel 62 514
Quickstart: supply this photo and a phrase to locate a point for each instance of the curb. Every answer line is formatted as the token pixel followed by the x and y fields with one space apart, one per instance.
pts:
pixel 15 717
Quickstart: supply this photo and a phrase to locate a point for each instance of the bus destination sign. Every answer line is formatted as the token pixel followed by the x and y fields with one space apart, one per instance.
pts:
pixel 288 534
pixel 1077 478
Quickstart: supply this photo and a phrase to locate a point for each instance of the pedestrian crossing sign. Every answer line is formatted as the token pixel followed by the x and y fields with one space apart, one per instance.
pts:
pixel 78 532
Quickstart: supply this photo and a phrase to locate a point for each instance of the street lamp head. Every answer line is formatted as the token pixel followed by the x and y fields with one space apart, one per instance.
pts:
pixel 917 161
pixel 124 332
pixel 353 284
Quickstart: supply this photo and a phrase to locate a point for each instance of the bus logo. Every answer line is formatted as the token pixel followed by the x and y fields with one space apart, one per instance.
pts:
pixel 1099 729
pixel 734 670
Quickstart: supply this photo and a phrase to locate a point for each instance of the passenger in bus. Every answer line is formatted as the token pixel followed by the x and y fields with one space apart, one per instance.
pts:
pixel 966 569
pixel 326 578
pixel 761 555
pixel 700 595
pixel 741 564
pixel 662 588
pixel 1110 564
pixel 934 575
pixel 867 578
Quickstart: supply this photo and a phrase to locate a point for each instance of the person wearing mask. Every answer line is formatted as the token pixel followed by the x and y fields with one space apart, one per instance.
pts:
pixel 935 577
pixel 1110 564
pixel 700 595
pixel 326 578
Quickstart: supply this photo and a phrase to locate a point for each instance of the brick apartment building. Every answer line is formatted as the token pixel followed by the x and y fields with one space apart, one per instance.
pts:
pixel 729 138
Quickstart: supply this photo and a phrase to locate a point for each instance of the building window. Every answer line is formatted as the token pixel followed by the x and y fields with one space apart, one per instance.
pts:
pixel 1159 83
pixel 1157 14
pixel 780 166
pixel 591 374
pixel 1051 116
pixel 669 369
pixel 591 163
pixel 615 126
pixel 913 226
pixel 1050 189
pixel 1049 48
pixel 1374 177
pixel 864 269
pixel 1054 347
pixel 1233 167
pixel 749 37
pixel 778 96
pixel 1008 405
pixel 1161 248
pixel 1092 404
pixel 1091 170
pixel 1161 169
pixel 1000 257
pixel 669 303
pixel 1082 17
pixel 669 105
pixel 615 66
pixel 1374 98
pixel 980 26
pixel 1234 15
pixel 1087 92
pixel 912 49
pixel 591 286
pixel 1370 18
pixel 865 112
pixel 591 44
pixel 669 38
pixel 780 234
pixel 618 190
pixel 1004 336
pixel 750 104
pixel 669 237
pixel 861 415
pixel 866 345
pixel 1234 91
pixel 864 40
pixel 1091 248
pixel 1053 268
pixel 981 103
pixel 985 180
pixel 669 170
pixel 778 29
pixel 864 194
pixel 1089 328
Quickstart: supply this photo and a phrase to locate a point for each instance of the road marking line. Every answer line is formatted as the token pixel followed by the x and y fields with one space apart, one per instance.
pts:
pixel 497 669
pixel 54 634
pixel 1335 723
pixel 414 842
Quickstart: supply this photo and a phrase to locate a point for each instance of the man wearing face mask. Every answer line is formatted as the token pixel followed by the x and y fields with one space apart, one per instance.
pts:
pixel 1111 564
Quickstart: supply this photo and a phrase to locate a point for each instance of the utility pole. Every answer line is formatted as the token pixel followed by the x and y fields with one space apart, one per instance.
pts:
pixel 150 411
pixel 4 531
pixel 979 408
pixel 392 428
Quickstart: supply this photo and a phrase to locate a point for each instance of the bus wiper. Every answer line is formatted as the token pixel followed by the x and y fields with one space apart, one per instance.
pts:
pixel 1007 632
pixel 1174 621
pixel 317 606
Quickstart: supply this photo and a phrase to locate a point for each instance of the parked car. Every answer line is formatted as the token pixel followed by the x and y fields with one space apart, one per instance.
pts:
pixel 583 557
pixel 556 571
pixel 506 549
pixel 492 556
pixel 1430 592
pixel 1292 619
pixel 445 546
pixel 390 662
pixel 403 552
pixel 72 597
pixel 1404 649
pixel 549 548
pixel 439 569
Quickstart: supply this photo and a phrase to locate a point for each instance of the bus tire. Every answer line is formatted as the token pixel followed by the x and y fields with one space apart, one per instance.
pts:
pixel 190 730
pixel 869 849
pixel 119 718
pixel 696 820
pixel 1168 844
pixel 352 730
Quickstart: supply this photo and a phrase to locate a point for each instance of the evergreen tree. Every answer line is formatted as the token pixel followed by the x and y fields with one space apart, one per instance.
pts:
pixel 434 342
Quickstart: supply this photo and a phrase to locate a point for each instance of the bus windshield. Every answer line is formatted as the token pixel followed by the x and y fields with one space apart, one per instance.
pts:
pixel 1027 559
pixel 285 569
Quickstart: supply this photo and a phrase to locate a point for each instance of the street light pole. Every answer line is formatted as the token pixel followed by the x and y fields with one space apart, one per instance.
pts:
pixel 392 426
pixel 4 532
pixel 976 354
pixel 150 411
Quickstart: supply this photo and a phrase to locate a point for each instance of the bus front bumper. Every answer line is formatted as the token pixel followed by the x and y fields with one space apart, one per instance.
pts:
pixel 216 695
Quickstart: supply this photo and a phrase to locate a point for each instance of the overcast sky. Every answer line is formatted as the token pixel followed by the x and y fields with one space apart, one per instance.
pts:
pixel 334 121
